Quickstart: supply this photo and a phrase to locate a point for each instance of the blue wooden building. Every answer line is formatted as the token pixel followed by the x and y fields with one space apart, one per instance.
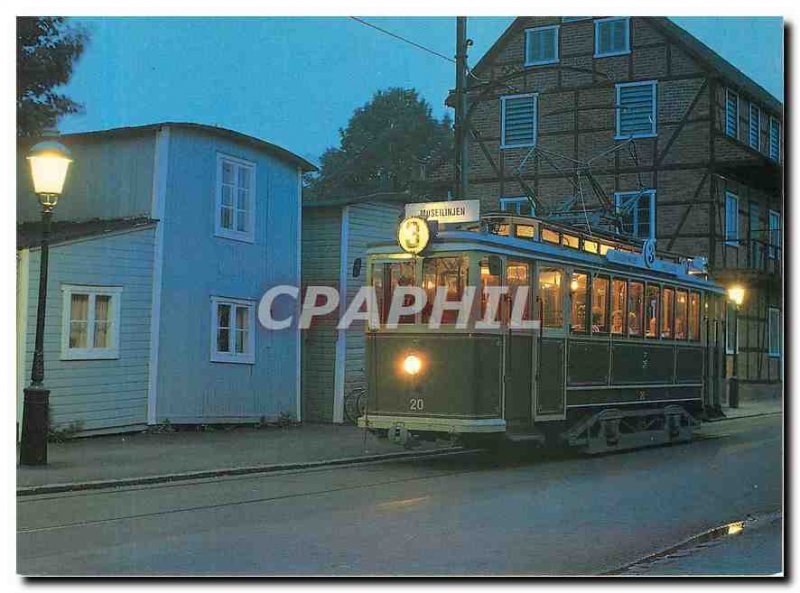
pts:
pixel 164 240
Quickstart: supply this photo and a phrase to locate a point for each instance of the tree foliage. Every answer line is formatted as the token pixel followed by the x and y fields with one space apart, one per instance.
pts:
pixel 387 145
pixel 47 48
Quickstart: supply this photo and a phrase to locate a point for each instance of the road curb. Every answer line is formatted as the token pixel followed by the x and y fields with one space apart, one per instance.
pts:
pixel 230 471
pixel 753 415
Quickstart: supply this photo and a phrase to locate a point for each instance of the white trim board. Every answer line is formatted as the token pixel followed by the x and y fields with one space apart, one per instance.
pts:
pixel 341 334
pixel 157 211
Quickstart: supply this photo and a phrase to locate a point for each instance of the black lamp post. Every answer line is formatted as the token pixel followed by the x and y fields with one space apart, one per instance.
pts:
pixel 49 161
pixel 736 296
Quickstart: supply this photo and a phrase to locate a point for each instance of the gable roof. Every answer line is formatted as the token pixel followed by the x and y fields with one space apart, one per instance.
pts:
pixel 258 143
pixel 29 234
pixel 699 50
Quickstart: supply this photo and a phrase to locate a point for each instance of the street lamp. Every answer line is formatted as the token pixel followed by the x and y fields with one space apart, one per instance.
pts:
pixel 735 296
pixel 49 161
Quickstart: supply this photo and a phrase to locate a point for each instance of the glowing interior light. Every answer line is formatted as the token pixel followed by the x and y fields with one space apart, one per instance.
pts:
pixel 412 364
pixel 573 285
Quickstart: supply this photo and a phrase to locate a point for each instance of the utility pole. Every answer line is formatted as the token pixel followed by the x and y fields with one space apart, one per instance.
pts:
pixel 461 109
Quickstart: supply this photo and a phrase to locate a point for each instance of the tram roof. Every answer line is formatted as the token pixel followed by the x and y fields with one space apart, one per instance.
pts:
pixel 597 250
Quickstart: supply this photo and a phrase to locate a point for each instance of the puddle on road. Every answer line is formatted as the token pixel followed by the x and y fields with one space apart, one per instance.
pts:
pixel 698 542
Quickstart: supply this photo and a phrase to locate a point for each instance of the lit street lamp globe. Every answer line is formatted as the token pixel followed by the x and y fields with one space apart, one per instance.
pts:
pixel 49 161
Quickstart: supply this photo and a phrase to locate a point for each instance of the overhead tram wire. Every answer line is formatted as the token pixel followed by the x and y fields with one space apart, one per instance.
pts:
pixel 401 38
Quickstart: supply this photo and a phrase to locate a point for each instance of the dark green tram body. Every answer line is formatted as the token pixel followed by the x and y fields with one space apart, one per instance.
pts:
pixel 549 380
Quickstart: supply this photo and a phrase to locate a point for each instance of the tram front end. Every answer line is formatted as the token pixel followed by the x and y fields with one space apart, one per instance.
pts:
pixel 434 384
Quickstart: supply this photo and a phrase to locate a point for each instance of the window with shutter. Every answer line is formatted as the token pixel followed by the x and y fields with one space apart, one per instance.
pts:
pixel 518 120
pixel 774 139
pixel 541 45
pixel 731 219
pixel 755 126
pixel 774 331
pixel 636 109
pixel 731 114
pixel 611 37
pixel 774 234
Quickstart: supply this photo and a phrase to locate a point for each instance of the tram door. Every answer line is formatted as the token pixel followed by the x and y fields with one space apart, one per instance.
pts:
pixel 549 360
pixel 519 344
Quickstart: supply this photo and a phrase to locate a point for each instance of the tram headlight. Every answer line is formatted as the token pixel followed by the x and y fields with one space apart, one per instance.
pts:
pixel 412 364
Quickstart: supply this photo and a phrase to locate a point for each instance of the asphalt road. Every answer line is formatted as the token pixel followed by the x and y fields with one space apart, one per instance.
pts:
pixel 533 513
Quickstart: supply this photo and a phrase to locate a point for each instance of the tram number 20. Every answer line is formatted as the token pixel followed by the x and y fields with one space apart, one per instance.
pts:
pixel 416 404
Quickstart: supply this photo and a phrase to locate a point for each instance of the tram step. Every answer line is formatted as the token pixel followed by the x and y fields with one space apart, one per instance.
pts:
pixel 526 437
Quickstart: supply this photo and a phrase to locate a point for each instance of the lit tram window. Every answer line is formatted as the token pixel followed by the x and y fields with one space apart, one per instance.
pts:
pixel 447 272
pixel 681 305
pixel 599 305
pixel 604 247
pixel 550 236
pixel 667 311
pixel 551 297
pixel 518 275
pixel 651 310
pixel 590 246
pixel 619 292
pixel 526 231
pixel 694 316
pixel 636 309
pixel 503 230
pixel 579 288
pixel 570 241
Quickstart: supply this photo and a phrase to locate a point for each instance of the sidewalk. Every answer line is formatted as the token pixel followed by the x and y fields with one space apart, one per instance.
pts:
pixel 141 455
pixel 754 408
pixel 150 457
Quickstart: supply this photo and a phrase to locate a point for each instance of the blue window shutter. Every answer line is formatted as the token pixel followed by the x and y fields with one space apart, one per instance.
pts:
pixel 731 113
pixel 519 121
pixel 755 126
pixel 774 139
pixel 636 108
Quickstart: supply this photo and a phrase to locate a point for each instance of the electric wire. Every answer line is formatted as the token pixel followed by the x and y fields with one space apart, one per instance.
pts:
pixel 401 38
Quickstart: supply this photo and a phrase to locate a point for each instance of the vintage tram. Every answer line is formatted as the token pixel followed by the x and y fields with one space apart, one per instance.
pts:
pixel 627 353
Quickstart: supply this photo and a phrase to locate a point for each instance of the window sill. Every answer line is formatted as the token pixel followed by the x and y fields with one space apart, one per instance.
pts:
pixel 90 355
pixel 612 54
pixel 732 244
pixel 512 146
pixel 642 135
pixel 543 63
pixel 772 355
pixel 234 236
pixel 231 359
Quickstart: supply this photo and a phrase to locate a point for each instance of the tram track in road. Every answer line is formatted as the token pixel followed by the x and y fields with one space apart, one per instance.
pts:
pixel 478 460
pixel 532 511
pixel 110 492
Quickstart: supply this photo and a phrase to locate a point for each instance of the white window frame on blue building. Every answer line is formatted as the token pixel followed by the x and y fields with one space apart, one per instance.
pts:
pixel 233 355
pixel 90 351
pixel 237 208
